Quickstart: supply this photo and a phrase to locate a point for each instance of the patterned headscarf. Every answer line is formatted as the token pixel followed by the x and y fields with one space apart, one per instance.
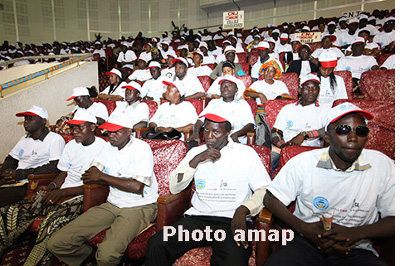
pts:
pixel 273 63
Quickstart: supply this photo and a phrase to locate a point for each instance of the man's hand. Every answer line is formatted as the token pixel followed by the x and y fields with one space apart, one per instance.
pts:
pixel 92 175
pixel 209 154
pixel 342 236
pixel 52 197
pixel 239 223
pixel 296 141
pixel 7 180
pixel 235 138
pixel 263 98
pixel 314 232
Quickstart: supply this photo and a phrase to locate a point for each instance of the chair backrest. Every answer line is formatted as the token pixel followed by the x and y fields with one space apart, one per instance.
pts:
pixel 198 105
pixel 382 126
pixel 289 152
pixel 378 84
pixel 247 80
pixel 292 83
pixel 205 82
pixel 96 57
pixel 152 107
pixel 252 58
pixel 242 57
pixel 281 57
pixel 314 46
pixel 103 81
pixel 167 154
pixel 348 81
pixel 245 68
pixel 382 58
pixel 212 66
pixel 272 109
pixel 265 155
pixel 67 137
pixel 253 106
pixel 111 105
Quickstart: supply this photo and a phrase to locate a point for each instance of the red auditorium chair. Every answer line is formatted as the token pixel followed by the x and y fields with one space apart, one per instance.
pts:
pixel 212 66
pixel 382 127
pixel 198 104
pixel 245 68
pixel 252 58
pixel 253 106
pixel 382 58
pixel 167 156
pixel 110 61
pixel 111 105
pixel 348 82
pixel 103 81
pixel 202 256
pixel 152 107
pixel 314 46
pixel 281 57
pixel 247 80
pixel 242 57
pixel 272 108
pixel 205 82
pixel 378 84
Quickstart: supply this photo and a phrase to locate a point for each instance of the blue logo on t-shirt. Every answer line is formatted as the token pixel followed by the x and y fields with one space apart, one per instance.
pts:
pixel 200 184
pixel 107 170
pixel 321 203
pixel 21 152
pixel 348 68
pixel 289 124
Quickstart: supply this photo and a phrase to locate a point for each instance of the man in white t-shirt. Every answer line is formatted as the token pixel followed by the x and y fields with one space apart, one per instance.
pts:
pixel 353 185
pixel 142 73
pixel 126 57
pixel 387 36
pixel 126 165
pixel 225 174
pixel 207 59
pixel 199 69
pixel 153 89
pixel 347 37
pixel 300 123
pixel 191 84
pixel 389 63
pixel 37 152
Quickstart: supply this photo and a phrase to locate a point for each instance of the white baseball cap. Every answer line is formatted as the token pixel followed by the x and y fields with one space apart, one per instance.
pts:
pixel 203 44
pixel 263 45
pixel 388 19
pixel 154 64
pixel 35 111
pixel 198 52
pixel 79 91
pixel 229 78
pixel 114 71
pixel 133 85
pixel 81 116
pixel 354 20
pixel 343 109
pixel 182 60
pixel 177 84
pixel 116 121
pixel 284 36
pixel 358 40
pixel 328 59
pixel 229 49
pixel 309 77
pixel 219 115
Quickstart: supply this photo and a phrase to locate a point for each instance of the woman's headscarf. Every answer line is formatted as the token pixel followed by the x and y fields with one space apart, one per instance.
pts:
pixel 273 63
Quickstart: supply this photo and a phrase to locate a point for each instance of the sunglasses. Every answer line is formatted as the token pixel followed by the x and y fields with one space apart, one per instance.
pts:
pixel 361 131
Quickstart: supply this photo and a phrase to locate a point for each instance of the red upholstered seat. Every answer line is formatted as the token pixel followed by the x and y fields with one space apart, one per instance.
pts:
pixel 103 81
pixel 242 57
pixel 198 104
pixel 205 82
pixel 292 82
pixel 111 105
pixel 348 81
pixel 212 66
pixel 281 57
pixel 67 137
pixel 253 106
pixel 245 68
pixel 378 84
pixel 314 46
pixel 152 107
pixel 247 80
pixel 252 58
pixel 382 127
pixel 272 108
pixel 167 154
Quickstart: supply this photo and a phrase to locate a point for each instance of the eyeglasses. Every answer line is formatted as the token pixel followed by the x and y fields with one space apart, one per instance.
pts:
pixel 361 131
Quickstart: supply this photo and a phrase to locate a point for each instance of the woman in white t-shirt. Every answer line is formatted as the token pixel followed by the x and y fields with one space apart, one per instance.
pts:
pixel 174 114
pixel 332 86
pixel 270 88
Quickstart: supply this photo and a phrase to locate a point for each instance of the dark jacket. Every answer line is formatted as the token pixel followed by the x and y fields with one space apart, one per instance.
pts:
pixel 295 67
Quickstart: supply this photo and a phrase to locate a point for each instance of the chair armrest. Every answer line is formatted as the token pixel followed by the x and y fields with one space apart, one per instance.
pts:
pixel 251 140
pixel 171 208
pixel 36 182
pixel 187 133
pixel 140 131
pixel 93 195
pixel 264 248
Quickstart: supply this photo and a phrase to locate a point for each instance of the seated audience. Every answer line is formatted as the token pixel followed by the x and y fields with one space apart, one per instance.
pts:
pixel 153 89
pixel 387 36
pixel 191 84
pixel 198 69
pixel 347 37
pixel 141 74
pixel 230 53
pixel 62 201
pixel 207 59
pixel 114 91
pixel 37 152
pixel 169 71
pixel 326 44
pixel 303 66
pixel 294 54
pixel 353 185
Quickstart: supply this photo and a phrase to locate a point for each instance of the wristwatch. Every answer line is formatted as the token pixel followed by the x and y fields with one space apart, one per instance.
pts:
pixel 304 133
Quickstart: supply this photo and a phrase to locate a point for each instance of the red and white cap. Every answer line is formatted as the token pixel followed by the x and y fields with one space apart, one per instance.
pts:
pixel 297 39
pixel 199 53
pixel 182 60
pixel 116 121
pixel 177 84
pixel 171 54
pixel 115 72
pixel 276 31
pixel 154 64
pixel 79 91
pixel 328 59
pixel 203 44
pixel 306 28
pixel 389 19
pixel 309 77
pixel 219 115
pixel 35 111
pixel 82 116
pixel 284 36
pixel 263 45
pixel 229 49
pixel 133 85
pixel 343 109
pixel 143 58
pixel 164 42
pixel 354 20
pixel 229 78
pixel 227 41
pixel 358 40
pixel 331 23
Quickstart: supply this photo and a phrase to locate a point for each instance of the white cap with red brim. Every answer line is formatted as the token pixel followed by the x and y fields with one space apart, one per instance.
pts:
pixel 117 121
pixel 182 60
pixel 309 77
pixel 82 116
pixel 263 45
pixel 328 59
pixel 35 111
pixel 343 109
pixel 228 78
pixel 177 84
pixel 115 72
pixel 133 85
pixel 79 91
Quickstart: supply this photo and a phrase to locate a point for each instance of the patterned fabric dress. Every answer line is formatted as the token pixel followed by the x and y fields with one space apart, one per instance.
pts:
pixel 16 218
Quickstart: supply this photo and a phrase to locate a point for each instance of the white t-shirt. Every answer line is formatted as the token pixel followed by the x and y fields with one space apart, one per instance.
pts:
pixel 76 158
pixel 240 112
pixel 210 59
pixel 389 62
pixel 134 161
pixel 356 64
pixel 154 88
pixel 101 52
pixel 127 57
pixel 146 55
pixel 345 38
pixel 97 109
pixel 222 186
pixel 136 112
pixel 295 118
pixel 384 38
pixel 32 153
pixel 256 67
pixel 283 48
pixel 326 96
pixel 168 72
pixel 199 71
pixel 215 88
pixel 356 197
pixel 140 74
pixel 191 84
pixel 118 91
pixel 270 91
pixel 318 51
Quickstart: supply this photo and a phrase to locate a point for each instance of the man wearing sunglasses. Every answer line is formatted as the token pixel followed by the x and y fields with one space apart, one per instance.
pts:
pixel 353 184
